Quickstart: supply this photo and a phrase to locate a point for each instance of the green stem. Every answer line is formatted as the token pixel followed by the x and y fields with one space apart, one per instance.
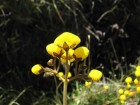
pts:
pixel 57 90
pixel 65 84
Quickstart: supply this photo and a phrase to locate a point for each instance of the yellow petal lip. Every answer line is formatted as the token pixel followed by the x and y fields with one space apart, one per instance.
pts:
pixel 106 87
pixel 81 52
pixel 95 75
pixel 122 97
pixel 71 39
pixel 131 94
pixel 87 84
pixel 60 74
pixel 137 73
pixel 36 69
pixel 138 68
pixel 128 80
pixel 69 75
pixel 121 91
pixel 136 81
pixel 138 89
pixel 126 92
pixel 54 50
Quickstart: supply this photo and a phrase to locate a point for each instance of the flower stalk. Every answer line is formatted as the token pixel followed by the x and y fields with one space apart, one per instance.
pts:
pixel 65 84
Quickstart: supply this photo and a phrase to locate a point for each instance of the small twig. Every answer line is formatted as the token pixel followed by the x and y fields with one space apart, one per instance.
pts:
pixel 57 11
pixel 106 12
pixel 57 88
pixel 16 98
pixel 88 46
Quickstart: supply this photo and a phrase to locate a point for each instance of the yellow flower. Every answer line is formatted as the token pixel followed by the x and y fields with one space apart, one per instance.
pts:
pixel 36 69
pixel 122 97
pixel 131 94
pixel 60 74
pixel 138 68
pixel 70 56
pixel 70 39
pixel 81 52
pixel 128 86
pixel 136 81
pixel 106 87
pixel 87 84
pixel 138 89
pixel 122 102
pixel 128 80
pixel 137 73
pixel 126 92
pixel 54 50
pixel 95 75
pixel 121 91
pixel 69 74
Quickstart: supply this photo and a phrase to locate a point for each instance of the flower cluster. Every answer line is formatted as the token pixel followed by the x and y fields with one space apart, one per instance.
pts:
pixel 67 42
pixel 64 43
pixel 128 91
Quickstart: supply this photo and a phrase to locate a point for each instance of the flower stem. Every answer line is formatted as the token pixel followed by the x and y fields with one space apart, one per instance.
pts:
pixel 65 92
pixel 65 84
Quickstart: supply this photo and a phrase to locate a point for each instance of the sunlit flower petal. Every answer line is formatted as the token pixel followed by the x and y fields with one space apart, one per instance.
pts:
pixel 136 81
pixel 122 102
pixel 138 89
pixel 95 75
pixel 87 84
pixel 106 87
pixel 137 73
pixel 128 86
pixel 122 97
pixel 54 50
pixel 131 94
pixel 81 52
pixel 128 80
pixel 121 91
pixel 126 92
pixel 71 39
pixel 60 74
pixel 69 74
pixel 36 69
pixel 138 68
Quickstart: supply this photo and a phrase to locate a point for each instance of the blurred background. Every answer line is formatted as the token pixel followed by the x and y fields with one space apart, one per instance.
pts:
pixel 109 28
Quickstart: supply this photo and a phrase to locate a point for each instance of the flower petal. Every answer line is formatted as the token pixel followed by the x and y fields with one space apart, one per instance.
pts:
pixel 95 75
pixel 36 69
pixel 81 52
pixel 54 50
pixel 71 39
